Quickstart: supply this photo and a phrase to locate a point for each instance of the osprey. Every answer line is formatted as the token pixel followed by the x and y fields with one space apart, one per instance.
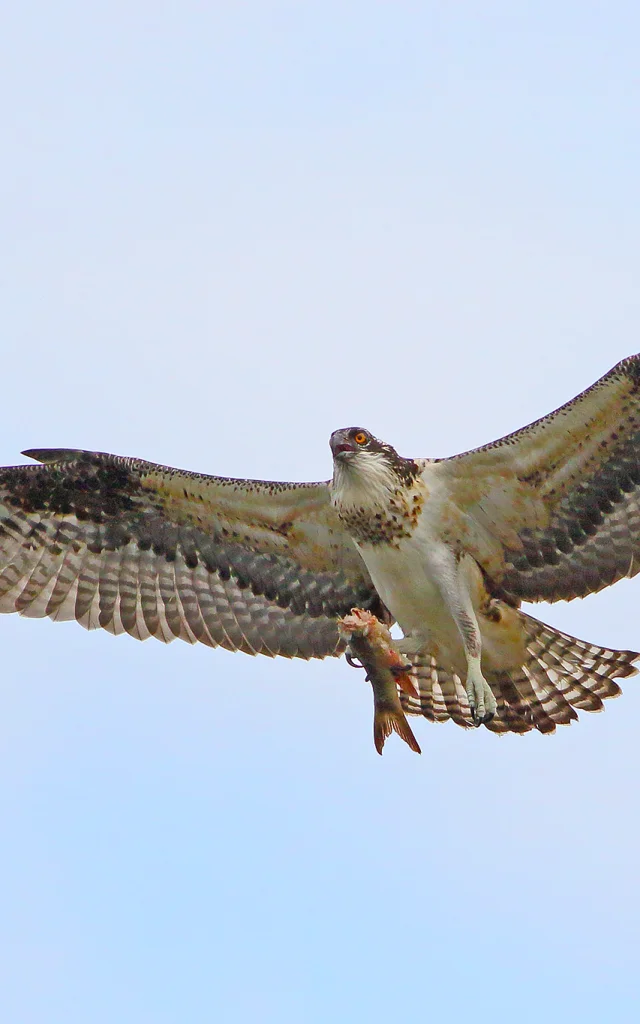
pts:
pixel 447 548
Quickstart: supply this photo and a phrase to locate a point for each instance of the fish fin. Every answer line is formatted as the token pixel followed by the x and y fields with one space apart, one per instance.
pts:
pixel 387 721
pixel 407 685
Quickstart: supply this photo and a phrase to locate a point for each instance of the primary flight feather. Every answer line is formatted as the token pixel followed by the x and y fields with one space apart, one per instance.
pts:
pixel 448 548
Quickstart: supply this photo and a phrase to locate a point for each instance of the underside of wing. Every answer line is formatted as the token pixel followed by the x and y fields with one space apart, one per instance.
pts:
pixel 552 511
pixel 134 547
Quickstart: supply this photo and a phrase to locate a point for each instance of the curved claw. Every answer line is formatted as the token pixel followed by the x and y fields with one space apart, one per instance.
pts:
pixel 400 670
pixel 353 662
pixel 482 703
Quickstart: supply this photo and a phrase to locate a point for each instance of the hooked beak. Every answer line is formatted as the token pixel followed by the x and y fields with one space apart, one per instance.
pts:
pixel 341 444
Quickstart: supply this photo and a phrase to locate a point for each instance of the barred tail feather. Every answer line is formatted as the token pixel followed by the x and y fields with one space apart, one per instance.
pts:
pixel 441 693
pixel 561 674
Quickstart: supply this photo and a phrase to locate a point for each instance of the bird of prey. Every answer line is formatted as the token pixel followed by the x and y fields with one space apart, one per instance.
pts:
pixel 447 548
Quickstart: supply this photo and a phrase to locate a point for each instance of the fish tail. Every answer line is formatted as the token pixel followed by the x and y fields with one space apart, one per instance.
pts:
pixel 388 720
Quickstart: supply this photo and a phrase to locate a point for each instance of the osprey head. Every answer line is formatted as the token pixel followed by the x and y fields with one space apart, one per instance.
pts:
pixel 350 442
pixel 357 453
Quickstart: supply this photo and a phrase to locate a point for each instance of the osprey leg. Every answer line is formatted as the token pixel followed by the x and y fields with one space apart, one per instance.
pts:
pixel 455 588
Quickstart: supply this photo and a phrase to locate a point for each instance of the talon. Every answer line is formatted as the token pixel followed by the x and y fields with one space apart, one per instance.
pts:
pixel 482 703
pixel 353 662
pixel 400 670
pixel 481 717
pixel 478 717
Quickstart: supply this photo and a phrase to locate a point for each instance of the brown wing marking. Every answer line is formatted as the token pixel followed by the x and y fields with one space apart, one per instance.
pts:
pixel 143 549
pixel 553 511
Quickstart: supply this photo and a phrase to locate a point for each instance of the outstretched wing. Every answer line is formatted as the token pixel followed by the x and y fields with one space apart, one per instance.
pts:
pixel 139 548
pixel 552 511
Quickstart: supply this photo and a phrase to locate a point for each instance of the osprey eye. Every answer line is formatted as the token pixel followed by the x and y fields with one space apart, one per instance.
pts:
pixel 360 437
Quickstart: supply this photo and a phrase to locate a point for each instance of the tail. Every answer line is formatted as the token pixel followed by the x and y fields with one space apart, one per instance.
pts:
pixel 560 674
pixel 388 720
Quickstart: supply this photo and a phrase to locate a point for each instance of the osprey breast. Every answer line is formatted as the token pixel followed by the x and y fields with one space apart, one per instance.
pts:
pixel 372 523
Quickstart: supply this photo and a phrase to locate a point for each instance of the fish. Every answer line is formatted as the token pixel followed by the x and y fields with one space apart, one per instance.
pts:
pixel 370 641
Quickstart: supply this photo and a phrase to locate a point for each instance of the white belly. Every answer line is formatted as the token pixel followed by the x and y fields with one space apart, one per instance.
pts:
pixel 407 578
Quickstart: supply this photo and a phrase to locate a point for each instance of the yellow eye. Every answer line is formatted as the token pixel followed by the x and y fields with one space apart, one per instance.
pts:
pixel 360 437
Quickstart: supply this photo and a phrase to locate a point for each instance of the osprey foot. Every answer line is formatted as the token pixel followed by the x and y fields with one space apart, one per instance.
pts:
pixel 482 703
pixel 400 670
pixel 351 661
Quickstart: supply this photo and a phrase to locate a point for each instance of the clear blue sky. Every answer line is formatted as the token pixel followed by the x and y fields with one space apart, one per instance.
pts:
pixel 228 229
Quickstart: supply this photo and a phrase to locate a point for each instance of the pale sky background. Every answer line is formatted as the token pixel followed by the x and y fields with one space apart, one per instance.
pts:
pixel 228 229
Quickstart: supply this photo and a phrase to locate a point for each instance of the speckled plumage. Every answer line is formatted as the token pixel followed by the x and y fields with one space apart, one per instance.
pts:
pixel 151 551
pixel 385 526
pixel 550 512
pixel 561 497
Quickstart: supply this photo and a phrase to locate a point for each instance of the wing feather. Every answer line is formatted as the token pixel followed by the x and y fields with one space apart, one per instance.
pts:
pixel 560 673
pixel 552 512
pixel 151 551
